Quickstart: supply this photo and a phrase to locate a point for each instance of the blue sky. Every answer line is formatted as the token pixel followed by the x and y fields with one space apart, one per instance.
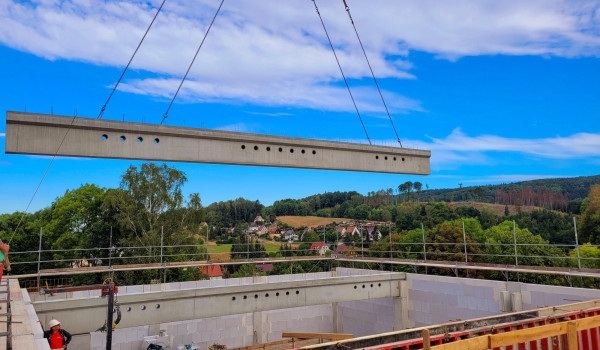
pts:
pixel 500 91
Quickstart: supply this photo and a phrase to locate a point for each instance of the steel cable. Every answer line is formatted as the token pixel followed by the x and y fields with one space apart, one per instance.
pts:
pixel 371 69
pixel 192 63
pixel 342 71
pixel 131 59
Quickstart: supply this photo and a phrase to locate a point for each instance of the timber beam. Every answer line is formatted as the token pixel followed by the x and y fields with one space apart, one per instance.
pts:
pixel 42 134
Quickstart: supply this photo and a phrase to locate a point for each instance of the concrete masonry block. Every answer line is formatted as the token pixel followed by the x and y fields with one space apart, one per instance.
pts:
pixel 151 288
pixel 211 325
pixel 135 289
pixel 233 282
pixel 218 283
pixel 186 339
pixel 42 344
pixel 234 322
pixel 201 284
pixel 280 326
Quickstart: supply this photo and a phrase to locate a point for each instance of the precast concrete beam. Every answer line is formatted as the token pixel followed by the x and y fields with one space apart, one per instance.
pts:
pixel 41 134
pixel 88 314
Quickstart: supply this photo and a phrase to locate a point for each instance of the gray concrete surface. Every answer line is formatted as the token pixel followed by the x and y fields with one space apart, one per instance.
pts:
pixel 30 133
pixel 438 299
pixel 87 313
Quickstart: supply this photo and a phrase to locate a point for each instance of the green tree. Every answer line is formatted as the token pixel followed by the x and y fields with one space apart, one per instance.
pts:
pixel 445 242
pixel 149 210
pixel 590 218
pixel 418 187
pixel 589 255
pixel 532 250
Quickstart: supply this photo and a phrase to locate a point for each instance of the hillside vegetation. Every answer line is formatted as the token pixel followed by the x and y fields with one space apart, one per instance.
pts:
pixel 147 220
pixel 309 221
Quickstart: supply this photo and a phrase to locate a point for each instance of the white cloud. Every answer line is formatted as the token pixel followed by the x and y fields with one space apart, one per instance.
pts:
pixel 458 149
pixel 275 53
pixel 578 145
pixel 271 114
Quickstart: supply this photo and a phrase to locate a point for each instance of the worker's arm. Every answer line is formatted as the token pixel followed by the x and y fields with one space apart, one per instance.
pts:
pixel 68 336
pixel 4 247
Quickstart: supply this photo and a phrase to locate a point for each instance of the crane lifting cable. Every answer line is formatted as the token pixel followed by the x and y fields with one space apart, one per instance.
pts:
pixel 342 71
pixel 371 69
pixel 131 59
pixel 192 63
pixel 73 120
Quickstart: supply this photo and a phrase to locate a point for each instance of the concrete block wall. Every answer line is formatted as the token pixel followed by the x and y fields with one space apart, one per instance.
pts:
pixel 233 331
pixel 366 317
pixel 438 299
pixel 316 319
pixel 536 296
pixel 123 339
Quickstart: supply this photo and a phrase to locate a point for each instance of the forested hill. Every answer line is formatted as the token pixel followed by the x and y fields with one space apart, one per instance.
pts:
pixel 574 188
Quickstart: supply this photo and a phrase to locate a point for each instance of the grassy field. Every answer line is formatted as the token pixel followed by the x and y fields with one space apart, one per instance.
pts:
pixel 222 251
pixel 309 221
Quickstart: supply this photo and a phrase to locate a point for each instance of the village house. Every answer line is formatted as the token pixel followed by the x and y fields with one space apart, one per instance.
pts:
pixel 340 250
pixel 320 247
pixel 290 236
pixel 373 232
pixel 351 230
pixel 213 272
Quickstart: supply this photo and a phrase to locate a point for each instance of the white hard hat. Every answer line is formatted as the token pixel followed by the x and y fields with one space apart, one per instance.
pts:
pixel 53 323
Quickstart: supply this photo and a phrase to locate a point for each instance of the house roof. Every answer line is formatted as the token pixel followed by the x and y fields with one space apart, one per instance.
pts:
pixel 274 230
pixel 351 228
pixel 340 248
pixel 340 229
pixel 212 271
pixel 290 232
pixel 265 267
pixel 258 218
pixel 317 246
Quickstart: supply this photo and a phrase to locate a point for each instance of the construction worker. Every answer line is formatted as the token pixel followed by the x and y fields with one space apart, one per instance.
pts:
pixel 57 338
pixel 4 248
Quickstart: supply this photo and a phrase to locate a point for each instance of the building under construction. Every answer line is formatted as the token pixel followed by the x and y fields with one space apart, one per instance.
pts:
pixel 346 307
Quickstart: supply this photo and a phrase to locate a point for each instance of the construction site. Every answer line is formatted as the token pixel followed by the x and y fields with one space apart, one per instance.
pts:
pixel 441 295
pixel 347 307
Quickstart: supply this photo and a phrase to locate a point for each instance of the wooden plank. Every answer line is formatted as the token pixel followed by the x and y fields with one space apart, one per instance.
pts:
pixel 526 335
pixel 426 340
pixel 333 336
pixel 478 343
pixel 587 323
pixel 3 342
pixel 572 335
